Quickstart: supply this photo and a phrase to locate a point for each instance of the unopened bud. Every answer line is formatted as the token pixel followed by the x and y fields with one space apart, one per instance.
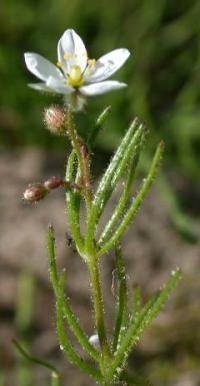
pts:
pixel 53 183
pixel 35 192
pixel 54 118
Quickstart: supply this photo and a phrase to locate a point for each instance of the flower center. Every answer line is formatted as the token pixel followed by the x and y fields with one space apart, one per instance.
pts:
pixel 75 76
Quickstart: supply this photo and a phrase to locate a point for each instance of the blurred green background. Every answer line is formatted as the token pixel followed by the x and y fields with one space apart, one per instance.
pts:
pixel 162 74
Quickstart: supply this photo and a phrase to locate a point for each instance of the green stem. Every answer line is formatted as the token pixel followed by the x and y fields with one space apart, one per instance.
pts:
pixel 98 304
pixel 67 311
pixel 73 203
pixel 55 380
pixel 76 143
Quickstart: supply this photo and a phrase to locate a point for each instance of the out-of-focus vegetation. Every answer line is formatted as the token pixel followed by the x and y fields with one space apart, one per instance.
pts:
pixel 162 73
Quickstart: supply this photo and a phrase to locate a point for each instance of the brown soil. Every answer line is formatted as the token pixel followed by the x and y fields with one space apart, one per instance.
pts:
pixel 169 351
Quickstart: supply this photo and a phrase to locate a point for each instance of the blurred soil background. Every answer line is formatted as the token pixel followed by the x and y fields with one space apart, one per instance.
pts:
pixel 163 90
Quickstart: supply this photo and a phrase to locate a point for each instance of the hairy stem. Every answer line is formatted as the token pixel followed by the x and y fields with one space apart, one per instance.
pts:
pixel 73 203
pixel 83 164
pixel 98 305
pixel 66 344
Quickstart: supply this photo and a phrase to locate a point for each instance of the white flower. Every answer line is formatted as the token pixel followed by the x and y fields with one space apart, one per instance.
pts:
pixel 75 72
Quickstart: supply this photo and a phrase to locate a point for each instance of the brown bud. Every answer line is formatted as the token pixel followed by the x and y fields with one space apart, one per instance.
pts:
pixel 35 192
pixel 53 183
pixel 54 118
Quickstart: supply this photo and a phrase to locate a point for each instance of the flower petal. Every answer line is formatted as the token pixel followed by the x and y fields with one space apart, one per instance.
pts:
pixel 39 86
pixel 71 51
pixel 58 86
pixel 107 65
pixel 101 87
pixel 41 67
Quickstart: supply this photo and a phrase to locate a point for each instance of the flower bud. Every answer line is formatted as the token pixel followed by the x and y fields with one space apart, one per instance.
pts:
pixel 53 183
pixel 54 118
pixel 35 192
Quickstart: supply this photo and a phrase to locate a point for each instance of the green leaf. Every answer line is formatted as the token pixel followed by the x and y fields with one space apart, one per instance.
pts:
pixel 137 201
pixel 52 258
pixel 136 306
pixel 114 172
pixel 65 344
pixel 121 317
pixel 142 321
pixel 67 311
pixel 55 377
pixel 76 329
pixel 121 205
pixel 98 126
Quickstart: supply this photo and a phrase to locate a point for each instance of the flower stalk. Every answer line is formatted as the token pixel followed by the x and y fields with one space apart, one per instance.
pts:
pixel 93 267
pixel 82 157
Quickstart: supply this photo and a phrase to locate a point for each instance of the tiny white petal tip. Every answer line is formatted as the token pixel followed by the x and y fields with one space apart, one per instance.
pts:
pixel 94 340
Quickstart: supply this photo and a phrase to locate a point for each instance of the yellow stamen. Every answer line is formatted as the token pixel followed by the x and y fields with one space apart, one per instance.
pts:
pixel 68 55
pixel 60 64
pixel 91 62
